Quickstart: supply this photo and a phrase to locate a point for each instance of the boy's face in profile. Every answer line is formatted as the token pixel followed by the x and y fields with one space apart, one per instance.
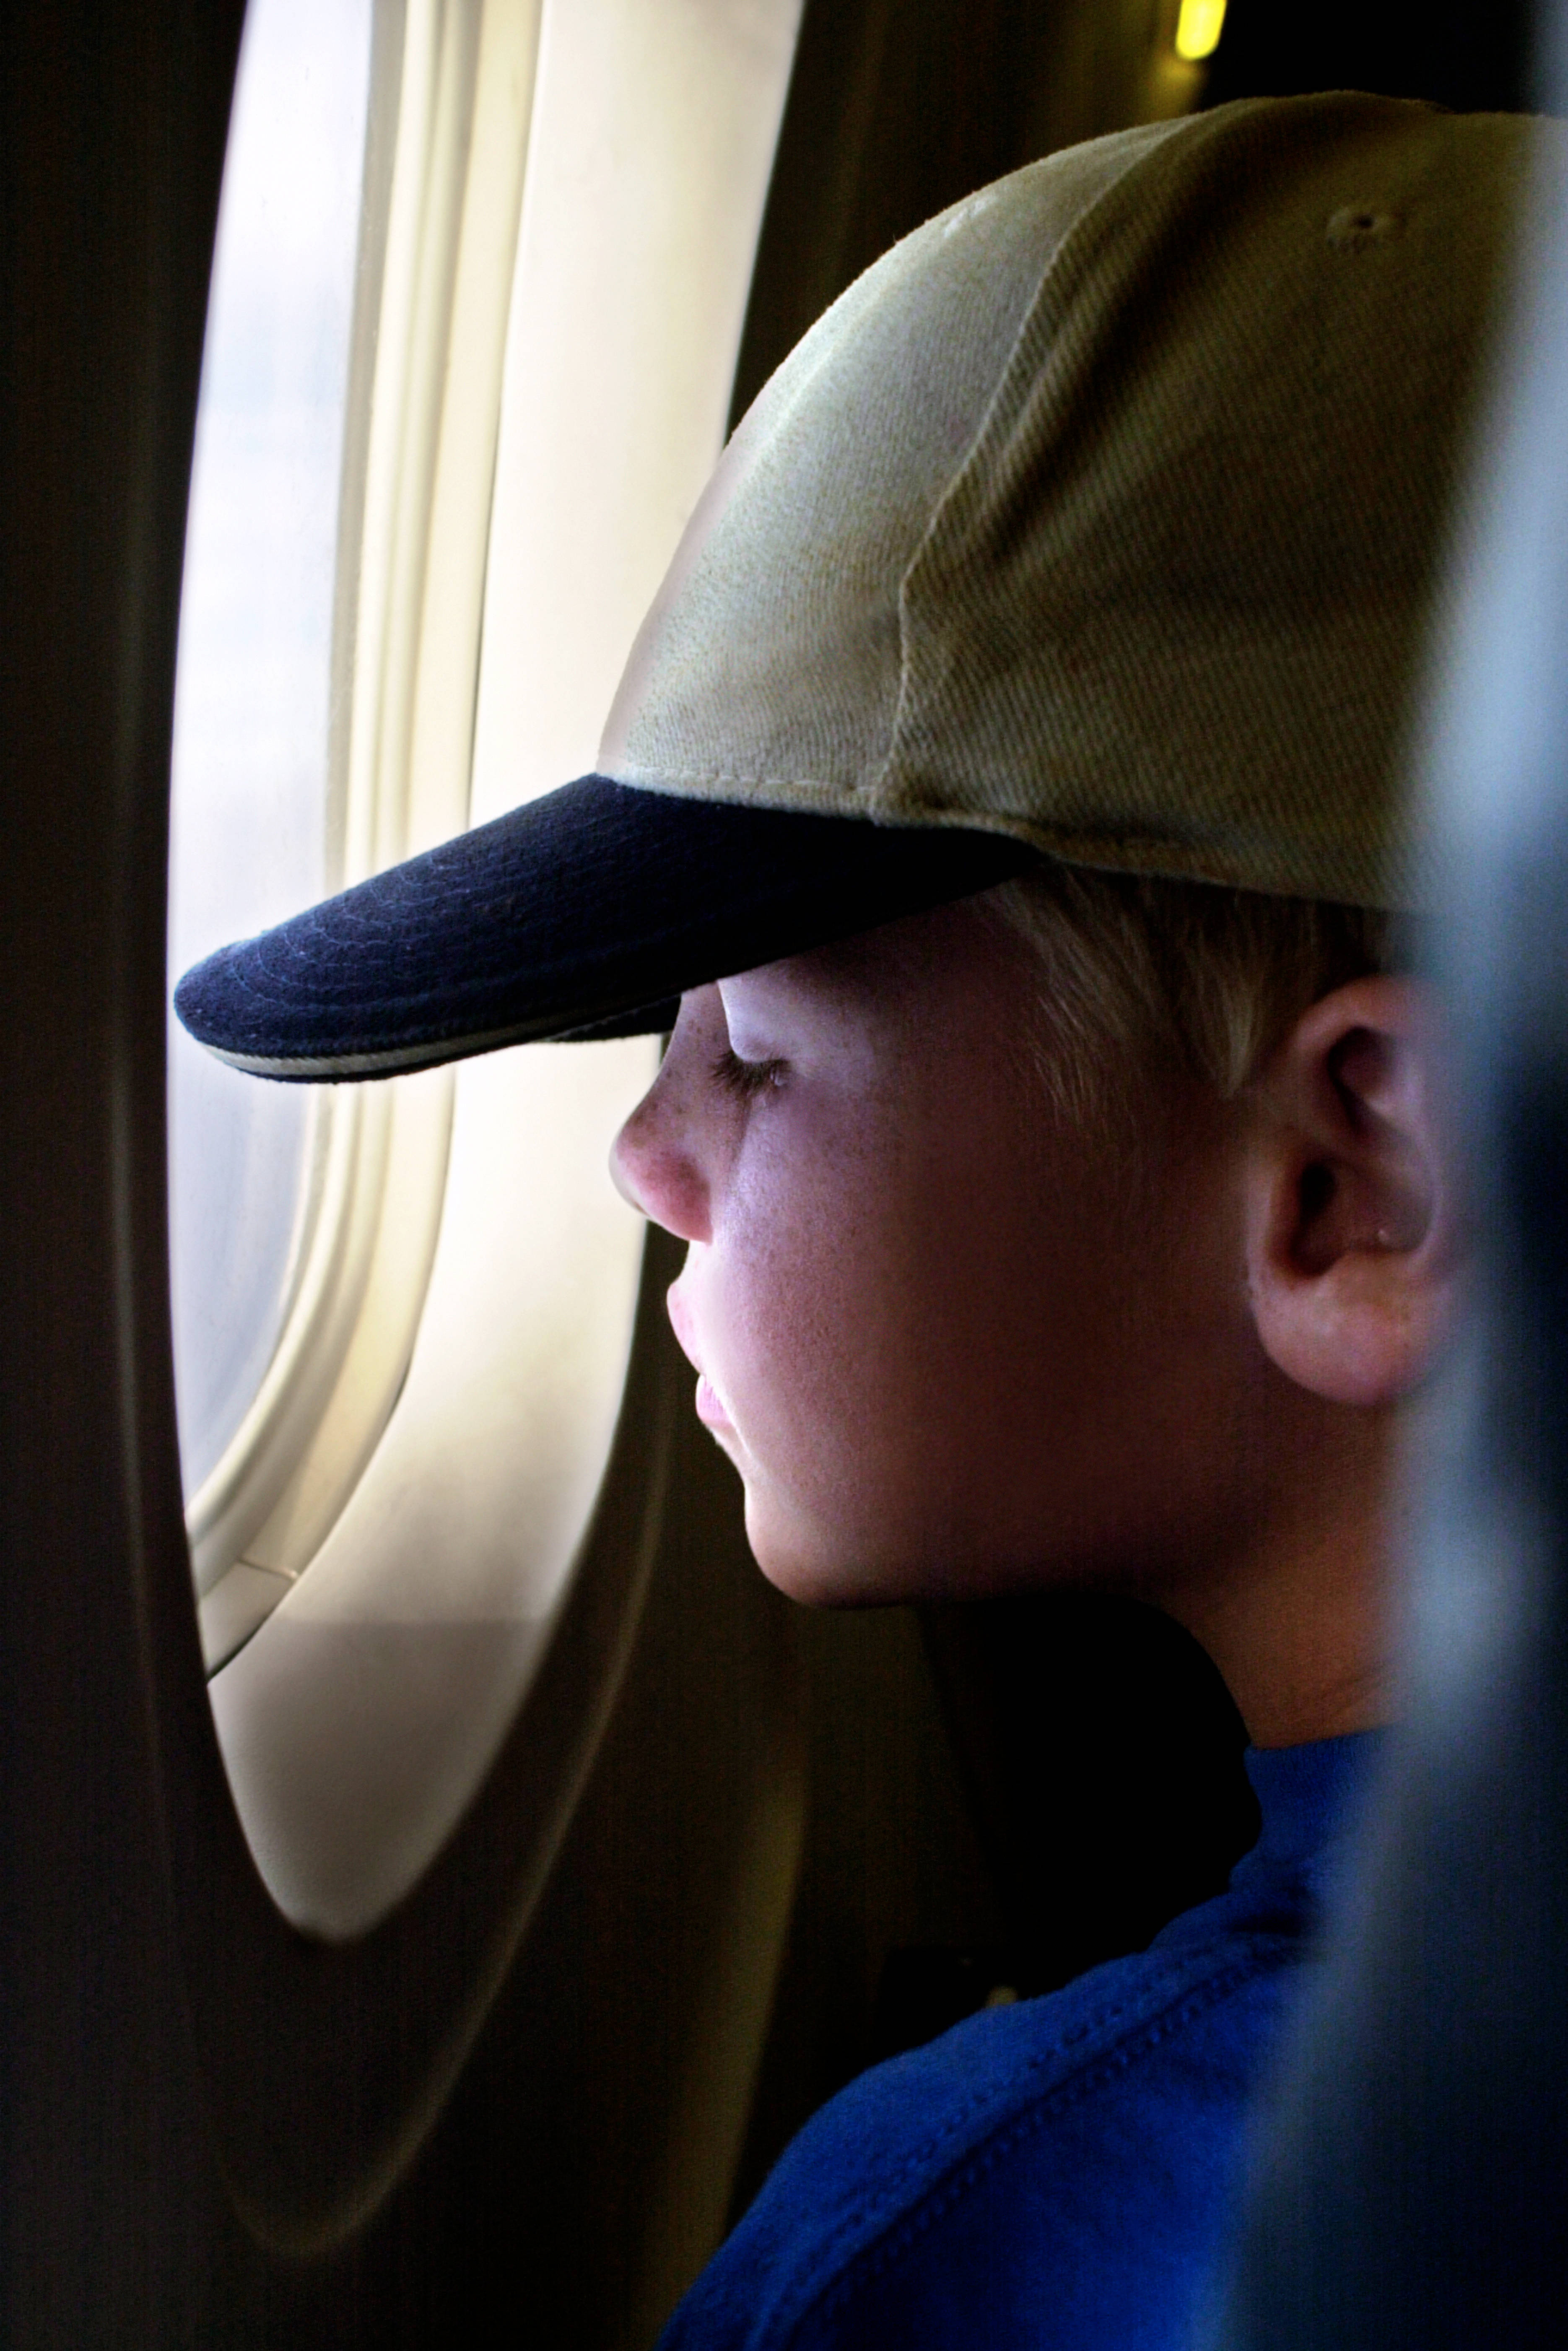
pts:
pixel 951 1344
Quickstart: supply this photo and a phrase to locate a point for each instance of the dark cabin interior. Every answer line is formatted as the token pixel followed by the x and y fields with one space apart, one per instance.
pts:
pixel 999 1795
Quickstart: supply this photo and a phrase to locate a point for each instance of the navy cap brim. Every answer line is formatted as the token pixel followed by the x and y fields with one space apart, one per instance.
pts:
pixel 585 914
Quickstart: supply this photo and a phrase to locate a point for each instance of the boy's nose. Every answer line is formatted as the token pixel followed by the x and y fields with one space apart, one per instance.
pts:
pixel 652 1166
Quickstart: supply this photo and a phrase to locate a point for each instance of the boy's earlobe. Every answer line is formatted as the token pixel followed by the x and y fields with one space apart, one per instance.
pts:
pixel 1354 1234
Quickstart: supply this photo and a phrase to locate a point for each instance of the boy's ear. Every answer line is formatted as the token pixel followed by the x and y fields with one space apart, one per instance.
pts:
pixel 1354 1231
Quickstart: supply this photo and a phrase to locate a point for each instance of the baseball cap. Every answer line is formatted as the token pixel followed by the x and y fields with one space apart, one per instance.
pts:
pixel 1102 519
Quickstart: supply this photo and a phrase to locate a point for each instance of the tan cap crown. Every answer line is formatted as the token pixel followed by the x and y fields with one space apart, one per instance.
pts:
pixel 1107 510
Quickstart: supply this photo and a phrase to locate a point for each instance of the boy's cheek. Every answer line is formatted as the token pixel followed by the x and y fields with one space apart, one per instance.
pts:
pixel 835 1493
pixel 800 1445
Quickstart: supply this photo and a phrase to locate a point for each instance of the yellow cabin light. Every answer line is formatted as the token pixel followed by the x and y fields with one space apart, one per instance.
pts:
pixel 1198 28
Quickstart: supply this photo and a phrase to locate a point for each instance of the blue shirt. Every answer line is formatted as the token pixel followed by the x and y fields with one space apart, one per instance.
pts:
pixel 1057 2173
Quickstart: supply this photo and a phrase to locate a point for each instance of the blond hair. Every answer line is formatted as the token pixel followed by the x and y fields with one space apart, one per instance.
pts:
pixel 1139 973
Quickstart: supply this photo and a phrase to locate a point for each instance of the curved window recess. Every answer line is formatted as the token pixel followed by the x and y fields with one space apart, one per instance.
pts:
pixel 360 1720
pixel 452 85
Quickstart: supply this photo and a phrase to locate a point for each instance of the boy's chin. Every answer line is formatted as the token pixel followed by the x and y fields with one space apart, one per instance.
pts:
pixel 815 1571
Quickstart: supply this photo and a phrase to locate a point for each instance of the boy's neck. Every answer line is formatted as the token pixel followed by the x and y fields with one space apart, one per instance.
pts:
pixel 1298 1624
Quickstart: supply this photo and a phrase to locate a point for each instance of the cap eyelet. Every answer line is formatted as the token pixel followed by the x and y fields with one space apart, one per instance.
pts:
pixel 1355 225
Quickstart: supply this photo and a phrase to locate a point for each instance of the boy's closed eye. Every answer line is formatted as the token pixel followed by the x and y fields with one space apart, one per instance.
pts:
pixel 746 1079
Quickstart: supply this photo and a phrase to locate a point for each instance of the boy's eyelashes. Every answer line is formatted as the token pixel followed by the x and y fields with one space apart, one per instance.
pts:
pixel 746 1080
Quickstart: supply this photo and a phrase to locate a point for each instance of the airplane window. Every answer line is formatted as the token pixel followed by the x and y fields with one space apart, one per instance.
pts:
pixel 303 1224
pixel 248 817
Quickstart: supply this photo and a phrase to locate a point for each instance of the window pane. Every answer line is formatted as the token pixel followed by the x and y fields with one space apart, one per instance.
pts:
pixel 249 807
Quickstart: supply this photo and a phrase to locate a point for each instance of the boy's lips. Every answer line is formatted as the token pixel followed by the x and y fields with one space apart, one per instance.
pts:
pixel 710 1408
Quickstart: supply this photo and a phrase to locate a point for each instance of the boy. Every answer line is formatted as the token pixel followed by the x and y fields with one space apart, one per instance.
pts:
pixel 1005 783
